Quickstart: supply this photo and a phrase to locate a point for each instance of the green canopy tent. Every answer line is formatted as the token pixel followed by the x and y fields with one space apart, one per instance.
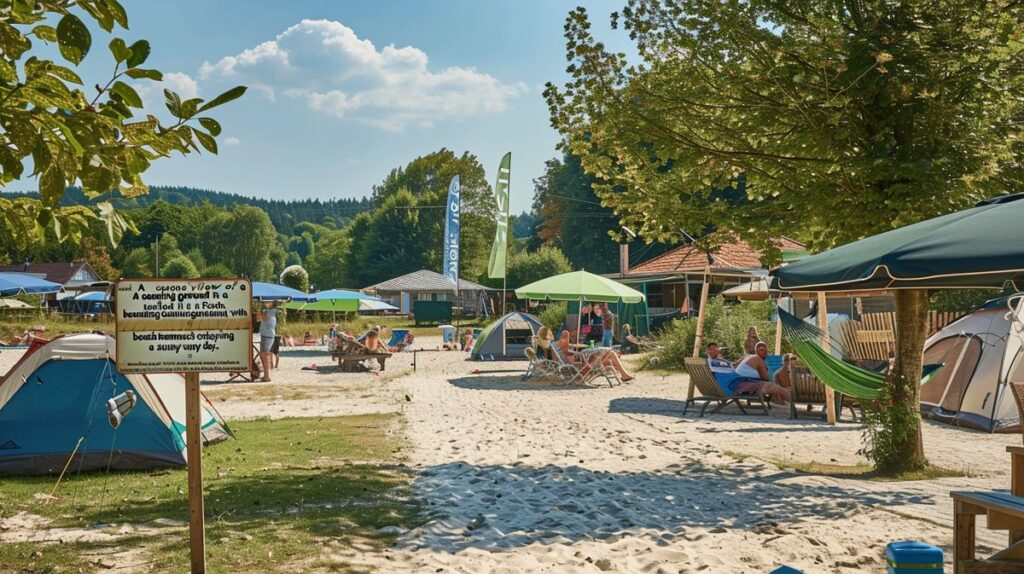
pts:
pixel 579 286
pixel 979 247
pixel 343 300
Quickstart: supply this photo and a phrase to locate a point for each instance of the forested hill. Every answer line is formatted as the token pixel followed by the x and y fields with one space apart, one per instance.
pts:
pixel 284 214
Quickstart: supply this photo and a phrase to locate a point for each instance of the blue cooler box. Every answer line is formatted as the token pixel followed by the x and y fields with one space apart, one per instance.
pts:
pixel 912 557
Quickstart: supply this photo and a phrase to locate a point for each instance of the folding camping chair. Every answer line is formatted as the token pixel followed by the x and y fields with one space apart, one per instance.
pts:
pixel 399 340
pixel 710 391
pixel 539 367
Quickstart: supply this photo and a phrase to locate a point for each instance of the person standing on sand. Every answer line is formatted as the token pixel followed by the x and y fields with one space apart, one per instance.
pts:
pixel 268 334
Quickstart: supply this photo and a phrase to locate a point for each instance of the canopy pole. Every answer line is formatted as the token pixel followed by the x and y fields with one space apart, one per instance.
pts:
pixel 699 340
pixel 830 397
pixel 579 320
pixel 778 330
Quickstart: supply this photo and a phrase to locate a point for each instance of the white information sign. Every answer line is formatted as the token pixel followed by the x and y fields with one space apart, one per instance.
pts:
pixel 183 325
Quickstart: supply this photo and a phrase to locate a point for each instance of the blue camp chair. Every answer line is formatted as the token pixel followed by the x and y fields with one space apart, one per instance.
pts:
pixel 398 337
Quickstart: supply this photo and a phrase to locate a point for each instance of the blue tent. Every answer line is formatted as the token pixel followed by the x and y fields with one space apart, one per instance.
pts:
pixel 272 292
pixel 21 284
pixel 53 411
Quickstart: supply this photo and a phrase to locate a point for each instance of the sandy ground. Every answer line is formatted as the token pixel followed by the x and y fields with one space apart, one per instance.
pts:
pixel 524 477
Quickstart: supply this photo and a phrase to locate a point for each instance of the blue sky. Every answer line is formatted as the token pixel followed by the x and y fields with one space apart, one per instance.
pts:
pixel 342 92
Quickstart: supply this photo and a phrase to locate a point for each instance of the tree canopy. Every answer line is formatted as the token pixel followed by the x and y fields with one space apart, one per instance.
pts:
pixel 848 118
pixel 69 134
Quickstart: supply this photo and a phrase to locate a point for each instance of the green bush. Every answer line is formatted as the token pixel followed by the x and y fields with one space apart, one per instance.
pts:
pixel 724 323
pixel 963 300
pixel 553 315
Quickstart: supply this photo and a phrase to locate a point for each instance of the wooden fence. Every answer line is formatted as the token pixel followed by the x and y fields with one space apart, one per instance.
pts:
pixel 874 335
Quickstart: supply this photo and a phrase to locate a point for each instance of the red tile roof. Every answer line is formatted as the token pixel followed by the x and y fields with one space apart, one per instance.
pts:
pixel 732 254
pixel 55 272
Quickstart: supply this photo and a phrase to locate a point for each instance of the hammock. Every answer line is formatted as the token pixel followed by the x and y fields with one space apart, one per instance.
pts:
pixel 848 379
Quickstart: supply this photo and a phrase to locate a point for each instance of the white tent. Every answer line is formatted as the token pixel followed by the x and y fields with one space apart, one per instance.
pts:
pixel 981 353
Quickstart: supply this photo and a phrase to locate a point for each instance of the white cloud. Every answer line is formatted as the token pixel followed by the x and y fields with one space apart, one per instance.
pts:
pixel 231 141
pixel 152 92
pixel 183 84
pixel 326 65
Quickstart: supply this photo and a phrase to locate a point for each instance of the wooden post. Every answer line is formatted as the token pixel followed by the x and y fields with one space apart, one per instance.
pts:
pixel 194 452
pixel 699 340
pixel 830 398
pixel 1016 484
pixel 778 330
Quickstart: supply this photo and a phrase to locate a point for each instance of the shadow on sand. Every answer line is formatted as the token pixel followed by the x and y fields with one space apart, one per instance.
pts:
pixel 484 382
pixel 674 408
pixel 504 507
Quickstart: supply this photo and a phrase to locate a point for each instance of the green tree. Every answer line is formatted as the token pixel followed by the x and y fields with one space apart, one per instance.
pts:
pixel 179 267
pixel 244 240
pixel 396 217
pixel 217 270
pixel 292 258
pixel 328 265
pixel 137 264
pixel 528 266
pixel 846 118
pixel 296 278
pixel 52 122
pixel 427 178
pixel 570 216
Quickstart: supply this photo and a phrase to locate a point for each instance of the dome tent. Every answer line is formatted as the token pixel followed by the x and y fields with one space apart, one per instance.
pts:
pixel 53 410
pixel 981 353
pixel 505 338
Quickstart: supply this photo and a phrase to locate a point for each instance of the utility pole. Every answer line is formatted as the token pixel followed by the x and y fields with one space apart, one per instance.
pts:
pixel 156 268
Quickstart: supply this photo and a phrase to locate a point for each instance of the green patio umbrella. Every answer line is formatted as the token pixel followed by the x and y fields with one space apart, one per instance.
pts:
pixel 981 247
pixel 579 286
pixel 335 300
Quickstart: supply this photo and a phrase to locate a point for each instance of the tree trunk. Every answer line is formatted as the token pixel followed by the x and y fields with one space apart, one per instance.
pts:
pixel 911 331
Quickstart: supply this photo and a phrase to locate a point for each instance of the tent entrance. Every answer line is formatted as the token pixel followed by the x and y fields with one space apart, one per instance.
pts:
pixel 518 332
pixel 946 391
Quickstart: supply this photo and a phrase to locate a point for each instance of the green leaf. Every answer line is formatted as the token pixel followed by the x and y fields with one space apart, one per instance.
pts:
pixel 188 107
pixel 65 74
pixel 45 33
pixel 120 50
pixel 232 94
pixel 211 125
pixel 51 186
pixel 73 38
pixel 173 102
pixel 139 73
pixel 207 141
pixel 7 72
pixel 12 43
pixel 118 13
pixel 140 51
pixel 127 93
pixel 116 225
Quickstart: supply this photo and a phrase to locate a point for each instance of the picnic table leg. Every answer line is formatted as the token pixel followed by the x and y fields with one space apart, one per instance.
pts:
pixel 1016 489
pixel 963 536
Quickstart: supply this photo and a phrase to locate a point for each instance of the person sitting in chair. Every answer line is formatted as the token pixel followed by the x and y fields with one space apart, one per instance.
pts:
pixel 544 349
pixel 715 358
pixel 753 371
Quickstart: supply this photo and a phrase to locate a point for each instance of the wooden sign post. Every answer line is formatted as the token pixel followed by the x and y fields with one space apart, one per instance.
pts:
pixel 186 326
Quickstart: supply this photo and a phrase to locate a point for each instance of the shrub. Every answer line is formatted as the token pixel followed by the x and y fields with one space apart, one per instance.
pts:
pixel 553 315
pixel 295 277
pixel 180 267
pixel 724 323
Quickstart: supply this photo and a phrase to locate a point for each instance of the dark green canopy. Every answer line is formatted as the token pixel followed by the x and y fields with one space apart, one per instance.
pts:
pixel 978 247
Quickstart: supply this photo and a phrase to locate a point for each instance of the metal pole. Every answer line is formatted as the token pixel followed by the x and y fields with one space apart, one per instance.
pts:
pixel 194 452
pixel 156 269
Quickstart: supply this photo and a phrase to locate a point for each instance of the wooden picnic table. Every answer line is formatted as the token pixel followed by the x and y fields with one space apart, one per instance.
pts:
pixel 1003 512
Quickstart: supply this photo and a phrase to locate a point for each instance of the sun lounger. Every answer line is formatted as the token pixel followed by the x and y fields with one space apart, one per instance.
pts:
pixel 709 391
pixel 642 345
pixel 806 389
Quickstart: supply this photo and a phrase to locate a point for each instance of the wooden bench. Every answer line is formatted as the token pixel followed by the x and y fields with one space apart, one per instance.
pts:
pixel 807 389
pixel 1003 512
pixel 350 354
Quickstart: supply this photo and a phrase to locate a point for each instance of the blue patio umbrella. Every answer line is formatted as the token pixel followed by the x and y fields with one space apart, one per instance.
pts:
pixel 272 292
pixel 21 284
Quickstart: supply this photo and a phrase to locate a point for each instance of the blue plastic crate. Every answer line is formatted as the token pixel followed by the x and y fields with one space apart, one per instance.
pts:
pixel 912 557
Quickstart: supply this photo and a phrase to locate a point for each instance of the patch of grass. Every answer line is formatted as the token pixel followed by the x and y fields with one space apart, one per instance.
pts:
pixel 863 471
pixel 274 494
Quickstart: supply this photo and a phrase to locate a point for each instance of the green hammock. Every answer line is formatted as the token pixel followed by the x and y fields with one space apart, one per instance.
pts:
pixel 848 379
